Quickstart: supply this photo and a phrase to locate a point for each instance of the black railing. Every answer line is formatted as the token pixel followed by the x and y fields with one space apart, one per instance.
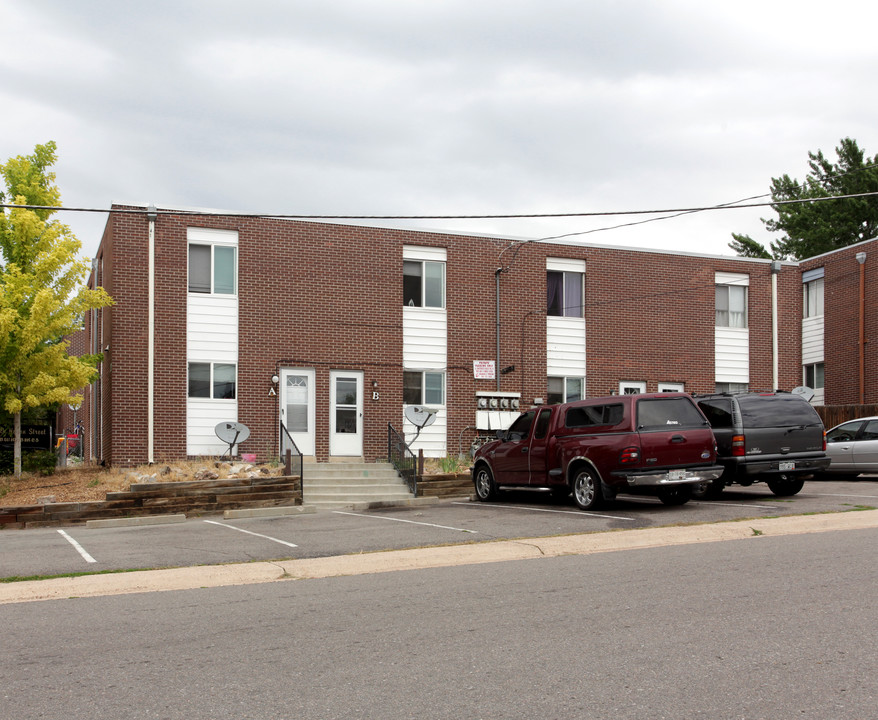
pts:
pixel 403 459
pixel 289 454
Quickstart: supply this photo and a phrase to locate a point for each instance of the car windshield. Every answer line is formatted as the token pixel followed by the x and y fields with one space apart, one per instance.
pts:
pixel 762 411
pixel 668 414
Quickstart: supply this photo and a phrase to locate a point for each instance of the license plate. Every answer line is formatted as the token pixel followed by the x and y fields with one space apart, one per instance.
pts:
pixel 784 466
pixel 676 474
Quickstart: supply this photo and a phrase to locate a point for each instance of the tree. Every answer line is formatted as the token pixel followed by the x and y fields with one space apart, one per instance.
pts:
pixel 42 296
pixel 813 228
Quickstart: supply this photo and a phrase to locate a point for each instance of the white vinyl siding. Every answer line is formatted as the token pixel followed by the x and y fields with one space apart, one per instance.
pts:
pixel 425 349
pixel 732 355
pixel 211 337
pixel 565 336
pixel 732 344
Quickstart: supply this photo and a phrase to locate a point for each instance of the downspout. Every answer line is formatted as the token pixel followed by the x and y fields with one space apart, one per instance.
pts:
pixel 775 270
pixel 150 371
pixel 861 258
pixel 497 295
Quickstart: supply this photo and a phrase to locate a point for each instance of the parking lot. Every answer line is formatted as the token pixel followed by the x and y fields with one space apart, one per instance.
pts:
pixel 214 540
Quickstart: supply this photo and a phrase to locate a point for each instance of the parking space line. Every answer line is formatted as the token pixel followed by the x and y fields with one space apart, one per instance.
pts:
pixel 79 548
pixel 411 522
pixel 874 497
pixel 265 537
pixel 581 513
pixel 731 504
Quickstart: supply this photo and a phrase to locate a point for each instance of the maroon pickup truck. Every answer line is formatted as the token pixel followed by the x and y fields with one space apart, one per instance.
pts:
pixel 655 443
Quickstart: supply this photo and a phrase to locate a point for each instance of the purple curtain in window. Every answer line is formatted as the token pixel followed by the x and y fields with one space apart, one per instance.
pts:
pixel 554 285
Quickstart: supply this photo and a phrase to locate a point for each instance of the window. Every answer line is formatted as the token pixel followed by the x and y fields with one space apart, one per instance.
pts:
pixel 212 380
pixel 718 411
pixel 564 293
pixel 812 301
pixel 814 375
pixel 635 387
pixel 731 387
pixel 423 283
pixel 668 414
pixel 212 269
pixel 423 388
pixel 731 306
pixel 671 387
pixel 592 415
pixel 565 389
pixel 521 427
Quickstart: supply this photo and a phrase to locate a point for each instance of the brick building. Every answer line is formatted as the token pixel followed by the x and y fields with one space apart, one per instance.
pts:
pixel 332 331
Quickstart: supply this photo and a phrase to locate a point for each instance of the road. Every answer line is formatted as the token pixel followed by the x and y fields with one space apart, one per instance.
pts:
pixel 768 627
pixel 213 540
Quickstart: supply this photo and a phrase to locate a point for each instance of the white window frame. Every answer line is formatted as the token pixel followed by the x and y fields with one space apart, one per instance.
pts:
pixel 568 277
pixel 566 381
pixel 637 386
pixel 423 388
pixel 212 246
pixel 817 368
pixel 671 387
pixel 732 387
pixel 212 381
pixel 812 298
pixel 423 282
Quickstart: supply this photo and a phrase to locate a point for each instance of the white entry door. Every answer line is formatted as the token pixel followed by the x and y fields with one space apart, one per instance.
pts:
pixel 297 409
pixel 346 413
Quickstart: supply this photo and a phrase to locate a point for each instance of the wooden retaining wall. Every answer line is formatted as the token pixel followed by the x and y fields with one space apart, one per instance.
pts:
pixel 162 498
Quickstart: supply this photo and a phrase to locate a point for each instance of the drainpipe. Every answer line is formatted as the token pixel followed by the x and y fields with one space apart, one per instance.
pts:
pixel 497 295
pixel 861 258
pixel 150 370
pixel 775 270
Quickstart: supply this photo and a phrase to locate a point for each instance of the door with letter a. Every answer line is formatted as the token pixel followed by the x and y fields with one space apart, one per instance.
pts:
pixel 297 409
pixel 346 413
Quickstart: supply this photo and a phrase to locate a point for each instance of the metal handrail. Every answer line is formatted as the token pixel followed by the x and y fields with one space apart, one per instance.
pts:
pixel 293 450
pixel 402 458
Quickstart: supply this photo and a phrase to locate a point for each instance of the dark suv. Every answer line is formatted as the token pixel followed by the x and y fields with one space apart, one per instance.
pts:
pixel 772 437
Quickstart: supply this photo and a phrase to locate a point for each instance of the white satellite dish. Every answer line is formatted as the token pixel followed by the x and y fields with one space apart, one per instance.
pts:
pixel 420 417
pixel 232 433
pixel 804 391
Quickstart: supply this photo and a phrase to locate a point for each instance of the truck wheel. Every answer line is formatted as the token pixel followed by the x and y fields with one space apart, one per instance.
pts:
pixel 785 486
pixel 676 495
pixel 708 490
pixel 586 490
pixel 485 487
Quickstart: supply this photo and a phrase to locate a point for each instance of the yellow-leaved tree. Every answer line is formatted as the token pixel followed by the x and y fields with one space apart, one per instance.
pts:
pixel 42 295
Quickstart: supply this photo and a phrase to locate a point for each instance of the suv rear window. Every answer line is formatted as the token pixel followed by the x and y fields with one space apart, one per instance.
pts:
pixel 718 412
pixel 762 411
pixel 668 414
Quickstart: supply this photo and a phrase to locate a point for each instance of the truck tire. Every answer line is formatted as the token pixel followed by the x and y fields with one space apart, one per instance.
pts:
pixel 586 489
pixel 679 495
pixel 708 490
pixel 785 487
pixel 486 489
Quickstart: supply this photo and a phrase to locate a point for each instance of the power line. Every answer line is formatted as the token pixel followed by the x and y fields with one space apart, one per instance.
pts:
pixel 507 216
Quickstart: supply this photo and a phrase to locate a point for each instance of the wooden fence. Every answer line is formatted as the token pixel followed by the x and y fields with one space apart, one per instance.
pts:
pixel 832 415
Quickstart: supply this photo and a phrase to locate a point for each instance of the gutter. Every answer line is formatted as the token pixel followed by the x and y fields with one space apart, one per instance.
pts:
pixel 150 371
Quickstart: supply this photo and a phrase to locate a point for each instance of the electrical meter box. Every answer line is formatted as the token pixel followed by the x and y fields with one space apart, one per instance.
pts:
pixel 496 410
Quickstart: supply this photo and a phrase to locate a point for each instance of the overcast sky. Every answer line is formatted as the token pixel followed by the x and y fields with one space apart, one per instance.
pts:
pixel 429 107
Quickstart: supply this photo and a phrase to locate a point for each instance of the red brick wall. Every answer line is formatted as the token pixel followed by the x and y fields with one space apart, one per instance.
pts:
pixel 328 297
pixel 841 301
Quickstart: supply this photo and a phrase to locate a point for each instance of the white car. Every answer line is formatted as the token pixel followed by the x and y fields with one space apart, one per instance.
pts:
pixel 853 448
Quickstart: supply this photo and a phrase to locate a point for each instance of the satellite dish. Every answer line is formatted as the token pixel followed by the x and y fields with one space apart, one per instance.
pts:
pixel 232 433
pixel 420 417
pixel 804 391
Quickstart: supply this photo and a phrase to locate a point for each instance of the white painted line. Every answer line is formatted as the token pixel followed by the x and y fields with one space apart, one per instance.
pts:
pixel 873 497
pixel 79 548
pixel 412 522
pixel 580 513
pixel 731 504
pixel 265 537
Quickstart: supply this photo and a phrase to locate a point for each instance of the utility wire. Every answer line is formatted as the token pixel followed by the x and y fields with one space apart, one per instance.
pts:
pixel 509 216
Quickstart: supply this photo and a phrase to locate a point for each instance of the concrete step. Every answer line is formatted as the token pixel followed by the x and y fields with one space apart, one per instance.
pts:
pixel 336 485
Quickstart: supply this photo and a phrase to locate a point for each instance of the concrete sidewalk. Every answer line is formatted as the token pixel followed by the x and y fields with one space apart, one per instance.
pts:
pixel 431 557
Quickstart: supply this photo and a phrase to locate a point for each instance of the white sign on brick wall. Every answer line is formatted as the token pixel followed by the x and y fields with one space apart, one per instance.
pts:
pixel 483 369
